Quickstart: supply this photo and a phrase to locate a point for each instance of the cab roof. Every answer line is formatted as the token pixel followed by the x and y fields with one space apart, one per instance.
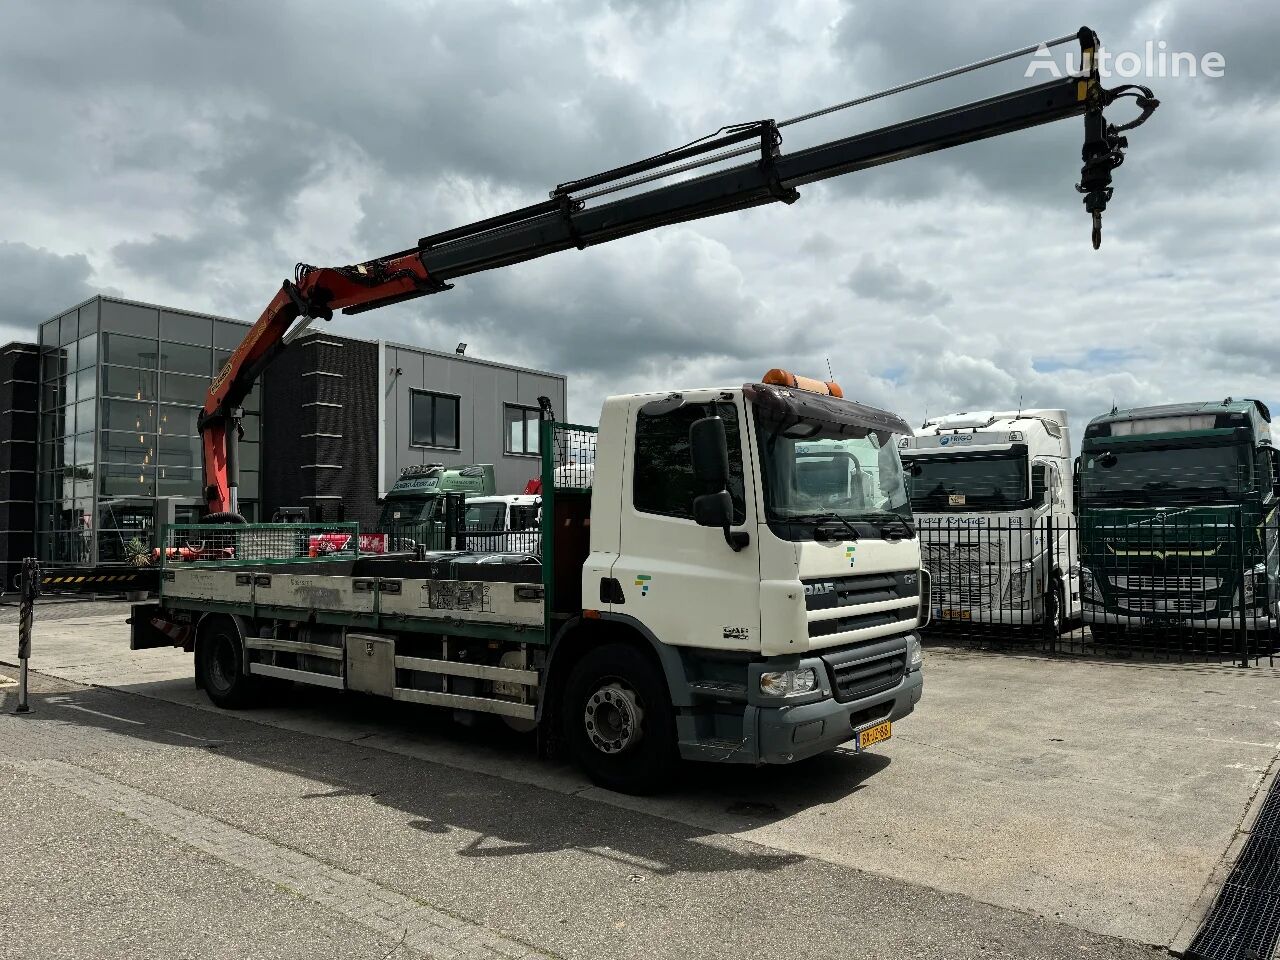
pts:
pixel 1228 405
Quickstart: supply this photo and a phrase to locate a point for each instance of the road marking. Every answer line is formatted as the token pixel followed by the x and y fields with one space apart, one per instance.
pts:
pixel 192 736
pixel 64 701
pixel 414 925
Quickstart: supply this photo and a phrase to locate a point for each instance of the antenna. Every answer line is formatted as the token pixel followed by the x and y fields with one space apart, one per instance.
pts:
pixel 1019 417
pixel 830 376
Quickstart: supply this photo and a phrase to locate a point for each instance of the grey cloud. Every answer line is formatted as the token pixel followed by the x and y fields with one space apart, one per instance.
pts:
pixel 881 280
pixel 193 152
pixel 38 284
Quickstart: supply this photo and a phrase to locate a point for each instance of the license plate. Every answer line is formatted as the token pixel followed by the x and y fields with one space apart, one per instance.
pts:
pixel 957 614
pixel 873 735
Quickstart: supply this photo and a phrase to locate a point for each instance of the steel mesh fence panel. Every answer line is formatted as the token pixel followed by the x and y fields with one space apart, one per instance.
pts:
pixel 256 543
pixel 573 452
pixel 1162 586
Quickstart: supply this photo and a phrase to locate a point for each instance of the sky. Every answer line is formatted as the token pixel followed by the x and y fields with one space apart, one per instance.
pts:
pixel 190 154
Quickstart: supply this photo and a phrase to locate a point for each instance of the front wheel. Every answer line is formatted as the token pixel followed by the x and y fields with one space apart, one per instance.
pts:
pixel 220 667
pixel 618 720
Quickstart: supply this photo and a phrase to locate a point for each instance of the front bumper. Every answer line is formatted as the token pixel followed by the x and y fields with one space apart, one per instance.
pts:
pixel 1092 613
pixel 788 734
pixel 958 613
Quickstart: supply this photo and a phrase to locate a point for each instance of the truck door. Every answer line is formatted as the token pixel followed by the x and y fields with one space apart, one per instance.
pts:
pixel 682 581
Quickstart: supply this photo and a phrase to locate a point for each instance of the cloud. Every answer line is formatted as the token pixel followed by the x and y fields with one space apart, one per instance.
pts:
pixel 879 280
pixel 38 285
pixel 191 154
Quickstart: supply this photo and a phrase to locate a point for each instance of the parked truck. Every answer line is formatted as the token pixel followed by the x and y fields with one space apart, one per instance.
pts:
pixel 992 499
pixel 1178 519
pixel 701 598
pixel 413 509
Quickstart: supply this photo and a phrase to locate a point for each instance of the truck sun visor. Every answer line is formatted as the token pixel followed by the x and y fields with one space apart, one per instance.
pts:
pixel 785 406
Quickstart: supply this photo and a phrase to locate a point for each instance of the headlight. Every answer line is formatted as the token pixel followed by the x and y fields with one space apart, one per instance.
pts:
pixel 1016 591
pixel 916 654
pixel 1254 583
pixel 788 683
pixel 1088 587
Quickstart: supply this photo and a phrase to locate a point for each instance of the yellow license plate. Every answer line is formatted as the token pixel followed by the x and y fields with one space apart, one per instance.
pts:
pixel 873 735
pixel 957 614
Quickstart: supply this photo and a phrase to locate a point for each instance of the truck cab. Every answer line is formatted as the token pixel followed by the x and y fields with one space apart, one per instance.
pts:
pixel 413 509
pixel 1178 518
pixel 991 493
pixel 508 523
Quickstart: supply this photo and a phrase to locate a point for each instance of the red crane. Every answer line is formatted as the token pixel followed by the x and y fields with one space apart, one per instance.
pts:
pixel 566 221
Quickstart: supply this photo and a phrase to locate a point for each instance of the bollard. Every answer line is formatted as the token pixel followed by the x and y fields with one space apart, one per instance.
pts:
pixel 29 589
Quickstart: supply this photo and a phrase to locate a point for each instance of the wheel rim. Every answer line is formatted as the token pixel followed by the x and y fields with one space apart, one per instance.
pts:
pixel 223 663
pixel 613 718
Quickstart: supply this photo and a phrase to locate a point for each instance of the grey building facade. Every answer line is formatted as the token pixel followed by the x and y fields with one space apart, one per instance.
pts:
pixel 346 416
pixel 112 453
pixel 19 401
pixel 118 454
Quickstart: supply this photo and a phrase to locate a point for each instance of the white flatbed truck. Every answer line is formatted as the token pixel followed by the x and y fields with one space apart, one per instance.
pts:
pixel 728 613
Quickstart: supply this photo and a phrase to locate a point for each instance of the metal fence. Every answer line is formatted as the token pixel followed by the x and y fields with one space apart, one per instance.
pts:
pixel 1165 584
pixel 256 543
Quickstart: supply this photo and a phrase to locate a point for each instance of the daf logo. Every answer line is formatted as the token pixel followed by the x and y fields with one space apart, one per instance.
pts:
pixel 818 589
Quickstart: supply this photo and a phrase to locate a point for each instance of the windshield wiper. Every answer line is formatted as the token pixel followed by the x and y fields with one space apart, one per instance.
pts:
pixel 884 520
pixel 826 515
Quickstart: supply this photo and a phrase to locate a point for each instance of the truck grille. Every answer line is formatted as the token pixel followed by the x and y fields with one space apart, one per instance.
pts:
pixel 829 592
pixel 1167 584
pixel 968 584
pixel 1167 604
pixel 867 669
pixel 860 621
pixel 972 552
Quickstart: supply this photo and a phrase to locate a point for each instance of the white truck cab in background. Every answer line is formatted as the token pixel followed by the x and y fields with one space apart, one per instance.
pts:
pixel 992 494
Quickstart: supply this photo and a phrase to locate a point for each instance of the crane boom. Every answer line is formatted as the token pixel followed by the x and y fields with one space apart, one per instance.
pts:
pixel 565 220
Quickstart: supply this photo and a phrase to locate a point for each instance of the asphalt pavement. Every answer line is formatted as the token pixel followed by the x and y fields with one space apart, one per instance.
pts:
pixel 140 822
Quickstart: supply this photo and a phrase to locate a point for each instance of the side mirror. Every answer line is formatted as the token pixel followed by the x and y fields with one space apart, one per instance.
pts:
pixel 713 509
pixel 709 451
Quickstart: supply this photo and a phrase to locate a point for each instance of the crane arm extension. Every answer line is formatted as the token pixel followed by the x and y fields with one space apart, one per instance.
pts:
pixel 565 221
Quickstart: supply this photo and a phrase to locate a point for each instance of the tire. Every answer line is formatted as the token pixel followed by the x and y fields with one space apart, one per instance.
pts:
pixel 618 721
pixel 220 667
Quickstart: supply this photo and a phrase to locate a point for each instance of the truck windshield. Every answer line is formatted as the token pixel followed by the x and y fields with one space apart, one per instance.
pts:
pixel 812 468
pixel 408 510
pixel 486 516
pixel 973 481
pixel 1182 472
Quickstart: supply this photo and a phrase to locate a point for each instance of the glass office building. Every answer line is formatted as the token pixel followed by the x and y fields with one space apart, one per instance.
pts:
pixel 118 454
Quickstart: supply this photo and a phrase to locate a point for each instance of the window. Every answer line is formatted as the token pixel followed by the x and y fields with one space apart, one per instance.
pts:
pixel 435 419
pixel 129 351
pixel 126 318
pixel 89 319
pixel 520 428
pixel 486 517
pixel 180 358
pixel 88 351
pixel 663 481
pixel 227 336
pixel 186 329
pixel 177 388
pixel 131 384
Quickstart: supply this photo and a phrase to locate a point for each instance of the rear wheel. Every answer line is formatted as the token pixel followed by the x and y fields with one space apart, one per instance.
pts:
pixel 220 666
pixel 618 719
